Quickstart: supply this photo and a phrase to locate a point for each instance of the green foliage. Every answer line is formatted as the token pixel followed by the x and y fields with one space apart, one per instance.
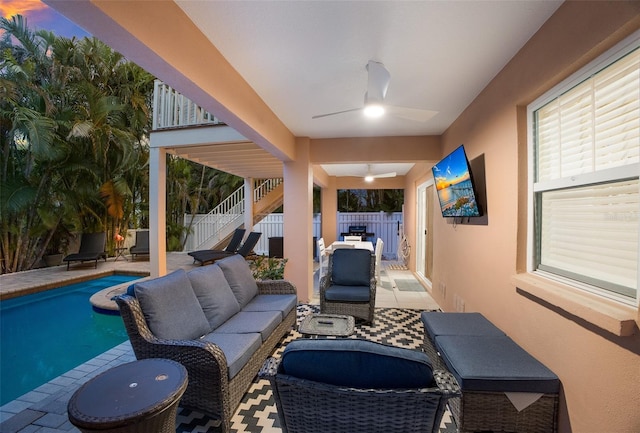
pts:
pixel 370 200
pixel 74 115
pixel 267 268
pixel 193 188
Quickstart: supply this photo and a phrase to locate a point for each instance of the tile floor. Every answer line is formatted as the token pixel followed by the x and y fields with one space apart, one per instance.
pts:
pixel 43 410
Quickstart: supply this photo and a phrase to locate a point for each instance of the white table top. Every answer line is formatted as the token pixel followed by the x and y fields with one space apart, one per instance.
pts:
pixel 365 245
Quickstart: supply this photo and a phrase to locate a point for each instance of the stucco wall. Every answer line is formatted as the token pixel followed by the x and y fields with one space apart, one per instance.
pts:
pixel 600 372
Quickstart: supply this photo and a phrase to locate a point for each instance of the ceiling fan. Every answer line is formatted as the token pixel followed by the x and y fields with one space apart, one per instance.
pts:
pixel 374 105
pixel 369 176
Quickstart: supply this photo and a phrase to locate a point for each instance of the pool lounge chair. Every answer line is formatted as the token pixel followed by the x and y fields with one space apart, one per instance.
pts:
pixel 203 255
pixel 212 256
pixel 91 249
pixel 142 244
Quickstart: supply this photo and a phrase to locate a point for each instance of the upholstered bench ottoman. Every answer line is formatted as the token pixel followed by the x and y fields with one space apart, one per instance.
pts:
pixel 438 323
pixel 504 388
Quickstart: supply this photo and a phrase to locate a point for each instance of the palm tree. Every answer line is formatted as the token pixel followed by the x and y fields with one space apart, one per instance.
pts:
pixel 75 116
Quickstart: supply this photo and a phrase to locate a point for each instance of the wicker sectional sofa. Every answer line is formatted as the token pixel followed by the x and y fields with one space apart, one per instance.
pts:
pixel 504 388
pixel 217 321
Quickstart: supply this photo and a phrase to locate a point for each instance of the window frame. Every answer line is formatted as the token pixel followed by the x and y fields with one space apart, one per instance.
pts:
pixel 630 171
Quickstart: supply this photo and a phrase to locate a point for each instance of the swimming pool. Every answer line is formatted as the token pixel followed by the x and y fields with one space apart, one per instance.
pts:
pixel 46 334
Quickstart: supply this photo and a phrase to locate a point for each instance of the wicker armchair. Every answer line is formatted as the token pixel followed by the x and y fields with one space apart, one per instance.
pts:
pixel 210 390
pixel 370 404
pixel 349 287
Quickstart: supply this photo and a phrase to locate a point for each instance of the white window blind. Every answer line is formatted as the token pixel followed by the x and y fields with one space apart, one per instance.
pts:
pixel 594 126
pixel 587 154
pixel 591 233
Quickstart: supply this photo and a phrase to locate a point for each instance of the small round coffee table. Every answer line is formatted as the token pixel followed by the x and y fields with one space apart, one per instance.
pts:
pixel 141 396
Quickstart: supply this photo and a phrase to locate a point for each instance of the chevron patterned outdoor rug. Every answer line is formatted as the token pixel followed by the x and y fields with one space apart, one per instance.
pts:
pixel 257 412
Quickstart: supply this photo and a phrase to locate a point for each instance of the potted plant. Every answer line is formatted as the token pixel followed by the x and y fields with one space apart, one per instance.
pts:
pixel 268 268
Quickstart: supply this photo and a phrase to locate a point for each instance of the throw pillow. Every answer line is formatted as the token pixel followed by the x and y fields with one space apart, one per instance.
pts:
pixel 171 308
pixel 238 274
pixel 214 294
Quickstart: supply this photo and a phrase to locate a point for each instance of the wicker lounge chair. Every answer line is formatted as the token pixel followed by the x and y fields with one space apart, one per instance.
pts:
pixel 350 285
pixel 204 256
pixel 212 255
pixel 91 249
pixel 344 385
pixel 142 244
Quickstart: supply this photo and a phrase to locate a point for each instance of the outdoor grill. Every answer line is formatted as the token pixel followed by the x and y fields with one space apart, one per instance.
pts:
pixel 358 231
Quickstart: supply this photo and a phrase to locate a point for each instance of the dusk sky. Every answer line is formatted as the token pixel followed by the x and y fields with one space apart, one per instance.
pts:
pixel 41 16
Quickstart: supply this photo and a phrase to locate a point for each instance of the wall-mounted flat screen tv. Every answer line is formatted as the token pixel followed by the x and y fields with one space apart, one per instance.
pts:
pixel 455 187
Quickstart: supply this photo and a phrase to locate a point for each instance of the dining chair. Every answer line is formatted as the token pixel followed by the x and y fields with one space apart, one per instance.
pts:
pixel 323 259
pixel 352 238
pixel 378 254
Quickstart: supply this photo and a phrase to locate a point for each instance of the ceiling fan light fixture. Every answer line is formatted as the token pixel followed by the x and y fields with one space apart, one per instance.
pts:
pixel 368 178
pixel 373 110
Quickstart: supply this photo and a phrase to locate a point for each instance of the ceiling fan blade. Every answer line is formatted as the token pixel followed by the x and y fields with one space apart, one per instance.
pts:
pixel 416 114
pixel 378 82
pixel 318 116
pixel 381 175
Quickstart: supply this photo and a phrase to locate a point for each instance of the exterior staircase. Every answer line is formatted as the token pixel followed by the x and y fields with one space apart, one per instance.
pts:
pixel 216 228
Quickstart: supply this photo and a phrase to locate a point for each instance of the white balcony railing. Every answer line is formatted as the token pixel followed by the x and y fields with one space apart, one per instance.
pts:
pixel 173 110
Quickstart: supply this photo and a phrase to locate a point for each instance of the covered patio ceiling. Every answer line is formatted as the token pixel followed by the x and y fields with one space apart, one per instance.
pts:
pixel 304 58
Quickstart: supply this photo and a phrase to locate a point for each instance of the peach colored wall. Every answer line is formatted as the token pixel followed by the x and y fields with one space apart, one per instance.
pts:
pixel 329 203
pixel 600 372
pixel 298 226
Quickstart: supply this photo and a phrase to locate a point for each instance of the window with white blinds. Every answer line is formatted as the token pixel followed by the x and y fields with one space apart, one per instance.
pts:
pixel 586 138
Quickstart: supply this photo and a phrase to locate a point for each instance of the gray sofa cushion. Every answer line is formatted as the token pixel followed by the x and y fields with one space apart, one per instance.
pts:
pixel 263 322
pixel 171 308
pixel 494 364
pixel 238 274
pixel 237 348
pixel 357 363
pixel 347 293
pixel 351 267
pixel 282 303
pixel 439 323
pixel 214 294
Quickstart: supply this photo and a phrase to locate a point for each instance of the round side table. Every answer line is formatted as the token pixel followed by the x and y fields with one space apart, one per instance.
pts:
pixel 120 252
pixel 141 396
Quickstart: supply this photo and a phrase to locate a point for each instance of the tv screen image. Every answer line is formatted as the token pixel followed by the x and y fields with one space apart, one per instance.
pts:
pixel 454 184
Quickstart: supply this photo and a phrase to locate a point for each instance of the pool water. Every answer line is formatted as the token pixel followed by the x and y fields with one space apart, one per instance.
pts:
pixel 46 334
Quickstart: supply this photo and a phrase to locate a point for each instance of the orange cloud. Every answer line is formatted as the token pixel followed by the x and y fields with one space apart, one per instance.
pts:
pixel 9 8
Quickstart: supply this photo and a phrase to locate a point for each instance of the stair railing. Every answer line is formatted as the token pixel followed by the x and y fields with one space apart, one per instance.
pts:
pixel 220 222
pixel 265 187
pixel 228 215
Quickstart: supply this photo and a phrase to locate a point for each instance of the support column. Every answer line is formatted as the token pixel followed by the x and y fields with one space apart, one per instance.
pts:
pixel 329 203
pixel 298 220
pixel 248 204
pixel 158 211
